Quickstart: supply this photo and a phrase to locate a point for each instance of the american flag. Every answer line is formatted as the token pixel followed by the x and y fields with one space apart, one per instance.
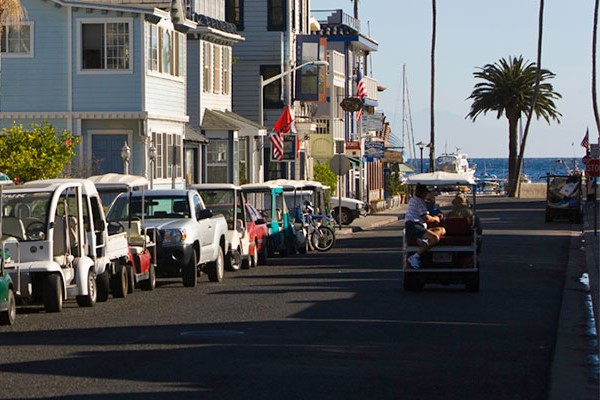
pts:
pixel 276 139
pixel 285 124
pixel 361 91
pixel 586 140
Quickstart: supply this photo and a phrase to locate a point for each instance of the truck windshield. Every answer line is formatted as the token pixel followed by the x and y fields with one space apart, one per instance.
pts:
pixel 154 207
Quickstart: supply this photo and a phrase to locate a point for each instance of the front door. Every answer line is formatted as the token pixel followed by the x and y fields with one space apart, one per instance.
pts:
pixel 106 151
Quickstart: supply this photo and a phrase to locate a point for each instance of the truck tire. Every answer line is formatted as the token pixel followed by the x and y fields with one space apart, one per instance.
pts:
pixel 89 299
pixel 103 286
pixel 150 283
pixel 190 271
pixel 53 293
pixel 8 316
pixel 216 269
pixel 119 282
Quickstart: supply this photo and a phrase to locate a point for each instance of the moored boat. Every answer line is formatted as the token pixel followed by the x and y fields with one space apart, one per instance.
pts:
pixel 454 163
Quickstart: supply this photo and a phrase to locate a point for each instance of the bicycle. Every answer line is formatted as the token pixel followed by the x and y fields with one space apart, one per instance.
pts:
pixel 319 236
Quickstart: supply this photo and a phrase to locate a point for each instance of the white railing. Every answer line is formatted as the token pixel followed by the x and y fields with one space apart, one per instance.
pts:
pixel 337 63
pixel 330 126
pixel 371 85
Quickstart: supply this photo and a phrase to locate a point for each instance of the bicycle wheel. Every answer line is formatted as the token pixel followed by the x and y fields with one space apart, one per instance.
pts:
pixel 323 238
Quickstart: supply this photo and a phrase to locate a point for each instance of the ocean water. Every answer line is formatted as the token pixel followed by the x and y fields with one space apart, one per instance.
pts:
pixel 535 168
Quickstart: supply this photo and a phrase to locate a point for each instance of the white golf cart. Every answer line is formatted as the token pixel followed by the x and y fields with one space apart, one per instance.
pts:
pixel 228 199
pixel 138 267
pixel 46 230
pixel 454 259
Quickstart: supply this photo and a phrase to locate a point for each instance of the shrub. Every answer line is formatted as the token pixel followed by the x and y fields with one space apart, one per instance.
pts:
pixel 39 153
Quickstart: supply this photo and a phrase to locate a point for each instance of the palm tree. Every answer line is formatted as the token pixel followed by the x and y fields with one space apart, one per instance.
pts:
pixel 432 97
pixel 508 88
pixel 594 45
pixel 517 178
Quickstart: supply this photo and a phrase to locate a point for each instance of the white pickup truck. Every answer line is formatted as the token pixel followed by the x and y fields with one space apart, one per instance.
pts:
pixel 189 238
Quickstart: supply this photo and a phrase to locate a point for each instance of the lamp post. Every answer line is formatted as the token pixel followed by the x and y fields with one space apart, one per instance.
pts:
pixel 264 82
pixel 152 157
pixel 125 154
pixel 422 145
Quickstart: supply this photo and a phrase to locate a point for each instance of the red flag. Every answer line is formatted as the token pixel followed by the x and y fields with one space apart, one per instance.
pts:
pixel 361 91
pixel 285 124
pixel 586 140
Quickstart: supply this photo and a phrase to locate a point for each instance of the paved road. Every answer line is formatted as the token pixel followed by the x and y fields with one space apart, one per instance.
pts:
pixel 334 325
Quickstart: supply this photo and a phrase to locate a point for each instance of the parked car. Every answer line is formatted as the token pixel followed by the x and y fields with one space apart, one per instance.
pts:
pixel 259 232
pixel 351 209
pixel 189 237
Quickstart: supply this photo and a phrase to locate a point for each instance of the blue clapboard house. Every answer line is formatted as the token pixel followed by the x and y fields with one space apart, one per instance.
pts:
pixel 112 72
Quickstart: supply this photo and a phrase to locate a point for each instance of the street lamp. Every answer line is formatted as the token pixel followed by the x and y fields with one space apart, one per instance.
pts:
pixel 125 154
pixel 152 154
pixel 264 82
pixel 421 145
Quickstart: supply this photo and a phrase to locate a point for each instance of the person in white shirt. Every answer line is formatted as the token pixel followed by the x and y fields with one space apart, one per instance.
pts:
pixel 415 222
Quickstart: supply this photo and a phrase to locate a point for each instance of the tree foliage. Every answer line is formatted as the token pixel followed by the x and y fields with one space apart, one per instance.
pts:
pixel 325 175
pixel 39 153
pixel 507 88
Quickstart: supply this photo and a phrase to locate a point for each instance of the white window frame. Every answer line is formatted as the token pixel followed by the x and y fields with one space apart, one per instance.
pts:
pixel 5 38
pixel 217 69
pixel 156 65
pixel 105 21
pixel 207 69
pixel 226 70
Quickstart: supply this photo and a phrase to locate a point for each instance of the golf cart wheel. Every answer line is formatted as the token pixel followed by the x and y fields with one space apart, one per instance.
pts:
pixel 150 283
pixel 472 285
pixel 89 299
pixel 411 283
pixel 8 316
pixel 53 293
pixel 119 282
pixel 103 286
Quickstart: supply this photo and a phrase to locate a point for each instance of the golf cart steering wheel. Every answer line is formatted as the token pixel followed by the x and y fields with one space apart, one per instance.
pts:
pixel 35 230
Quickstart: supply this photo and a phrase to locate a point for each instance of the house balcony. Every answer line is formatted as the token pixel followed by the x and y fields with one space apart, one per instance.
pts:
pixel 330 126
pixel 371 85
pixel 337 64
pixel 336 17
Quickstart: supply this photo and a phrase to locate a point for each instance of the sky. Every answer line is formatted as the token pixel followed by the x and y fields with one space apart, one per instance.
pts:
pixel 471 34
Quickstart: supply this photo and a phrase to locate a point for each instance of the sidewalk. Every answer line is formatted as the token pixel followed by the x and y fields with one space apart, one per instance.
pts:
pixel 575 366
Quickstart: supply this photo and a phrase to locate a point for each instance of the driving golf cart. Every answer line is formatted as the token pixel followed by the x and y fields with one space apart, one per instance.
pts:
pixel 454 259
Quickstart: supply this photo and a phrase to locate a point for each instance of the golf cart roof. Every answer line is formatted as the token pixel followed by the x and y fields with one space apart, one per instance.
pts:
pixel 122 182
pixel 260 186
pixel 440 178
pixel 215 186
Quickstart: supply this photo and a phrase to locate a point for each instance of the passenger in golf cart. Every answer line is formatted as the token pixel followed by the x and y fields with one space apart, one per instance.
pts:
pixel 421 226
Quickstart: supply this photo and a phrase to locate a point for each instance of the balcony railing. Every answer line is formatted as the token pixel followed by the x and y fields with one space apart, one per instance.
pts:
pixel 336 17
pixel 328 125
pixel 371 85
